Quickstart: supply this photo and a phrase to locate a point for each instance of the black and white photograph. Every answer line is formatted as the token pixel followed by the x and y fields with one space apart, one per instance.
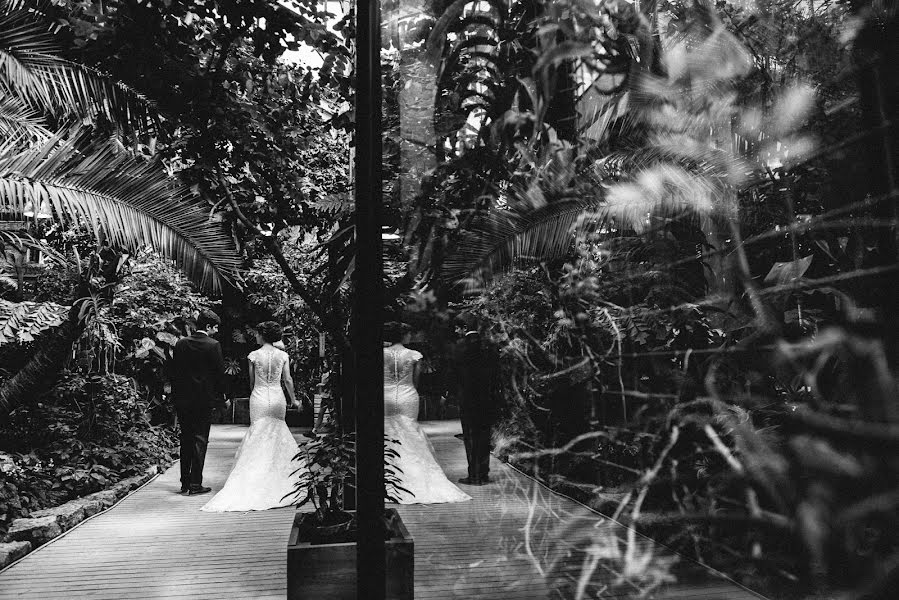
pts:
pixel 449 299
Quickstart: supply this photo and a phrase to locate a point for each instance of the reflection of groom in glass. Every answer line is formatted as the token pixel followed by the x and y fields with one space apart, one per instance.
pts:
pixel 475 370
pixel 198 377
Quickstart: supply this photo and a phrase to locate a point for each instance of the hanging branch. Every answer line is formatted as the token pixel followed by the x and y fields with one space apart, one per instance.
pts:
pixel 274 248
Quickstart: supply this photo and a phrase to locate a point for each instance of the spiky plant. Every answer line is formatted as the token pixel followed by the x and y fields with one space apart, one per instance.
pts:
pixel 132 200
pixel 40 90
pixel 64 127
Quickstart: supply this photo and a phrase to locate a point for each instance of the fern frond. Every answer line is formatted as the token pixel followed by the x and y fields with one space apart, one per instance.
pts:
pixel 24 321
pixel 32 72
pixel 496 241
pixel 132 200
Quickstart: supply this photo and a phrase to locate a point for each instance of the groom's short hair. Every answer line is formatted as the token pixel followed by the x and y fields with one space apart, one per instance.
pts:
pixel 207 318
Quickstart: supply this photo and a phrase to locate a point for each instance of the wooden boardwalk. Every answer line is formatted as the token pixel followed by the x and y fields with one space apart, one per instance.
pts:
pixel 515 539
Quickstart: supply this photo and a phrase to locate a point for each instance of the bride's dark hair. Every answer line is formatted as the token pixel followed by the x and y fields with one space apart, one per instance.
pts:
pixel 394 331
pixel 270 331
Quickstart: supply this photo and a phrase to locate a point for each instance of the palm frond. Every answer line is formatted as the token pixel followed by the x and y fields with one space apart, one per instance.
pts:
pixel 24 321
pixel 19 121
pixel 335 205
pixel 32 72
pixel 497 240
pixel 20 241
pixel 133 201
pixel 698 157
pixel 24 42
pixel 659 193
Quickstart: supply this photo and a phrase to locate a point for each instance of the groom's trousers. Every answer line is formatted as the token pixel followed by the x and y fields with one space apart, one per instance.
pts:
pixel 476 436
pixel 194 439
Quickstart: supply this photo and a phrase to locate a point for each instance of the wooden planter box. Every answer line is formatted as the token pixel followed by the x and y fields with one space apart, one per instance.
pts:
pixel 328 571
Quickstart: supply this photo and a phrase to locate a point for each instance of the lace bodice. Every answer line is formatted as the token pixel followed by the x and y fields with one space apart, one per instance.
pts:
pixel 269 363
pixel 399 363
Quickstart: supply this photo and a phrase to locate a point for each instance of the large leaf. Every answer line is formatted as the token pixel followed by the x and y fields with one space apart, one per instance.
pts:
pixel 133 201
pixel 17 120
pixel 24 321
pixel 494 242
pixel 32 73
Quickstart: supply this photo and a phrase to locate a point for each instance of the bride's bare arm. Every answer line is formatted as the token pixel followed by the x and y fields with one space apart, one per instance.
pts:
pixel 287 380
pixel 252 375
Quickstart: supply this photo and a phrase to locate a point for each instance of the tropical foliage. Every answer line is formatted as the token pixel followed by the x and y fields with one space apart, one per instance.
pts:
pixel 42 91
pixel 274 298
pixel 90 433
pixel 655 231
pixel 23 321
pixel 60 161
pixel 260 139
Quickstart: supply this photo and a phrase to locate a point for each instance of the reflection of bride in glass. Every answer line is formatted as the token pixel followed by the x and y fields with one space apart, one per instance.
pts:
pixel 419 472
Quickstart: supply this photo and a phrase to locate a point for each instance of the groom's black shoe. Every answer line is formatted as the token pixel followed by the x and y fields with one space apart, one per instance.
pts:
pixel 198 490
pixel 472 481
pixel 184 489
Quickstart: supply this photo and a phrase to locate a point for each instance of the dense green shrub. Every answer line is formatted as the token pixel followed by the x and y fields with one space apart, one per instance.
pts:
pixel 88 433
pixel 150 310
pixel 54 283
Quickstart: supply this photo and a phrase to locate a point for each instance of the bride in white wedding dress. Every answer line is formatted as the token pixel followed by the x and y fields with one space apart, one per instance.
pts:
pixel 421 474
pixel 263 468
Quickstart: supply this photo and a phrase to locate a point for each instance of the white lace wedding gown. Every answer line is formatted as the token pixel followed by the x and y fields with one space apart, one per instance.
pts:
pixel 421 474
pixel 261 474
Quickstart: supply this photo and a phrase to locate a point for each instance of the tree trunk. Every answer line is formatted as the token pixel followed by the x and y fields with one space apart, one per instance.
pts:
pixel 38 376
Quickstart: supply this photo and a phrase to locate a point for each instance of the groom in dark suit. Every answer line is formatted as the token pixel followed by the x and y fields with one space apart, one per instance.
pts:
pixel 198 377
pixel 475 368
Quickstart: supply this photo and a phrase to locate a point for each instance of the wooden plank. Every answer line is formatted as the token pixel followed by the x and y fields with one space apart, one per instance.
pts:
pixel 515 539
pixel 158 544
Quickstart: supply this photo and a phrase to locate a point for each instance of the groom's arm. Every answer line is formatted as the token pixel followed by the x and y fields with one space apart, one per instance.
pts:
pixel 218 376
pixel 175 368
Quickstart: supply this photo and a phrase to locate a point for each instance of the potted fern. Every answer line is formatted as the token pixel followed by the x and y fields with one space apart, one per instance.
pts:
pixel 321 552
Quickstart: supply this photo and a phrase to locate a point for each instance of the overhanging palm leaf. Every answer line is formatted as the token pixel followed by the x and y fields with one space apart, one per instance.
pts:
pixel 32 73
pixel 494 242
pixel 17 120
pixel 131 200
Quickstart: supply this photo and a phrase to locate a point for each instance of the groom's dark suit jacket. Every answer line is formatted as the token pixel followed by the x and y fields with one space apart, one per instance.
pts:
pixel 198 376
pixel 474 371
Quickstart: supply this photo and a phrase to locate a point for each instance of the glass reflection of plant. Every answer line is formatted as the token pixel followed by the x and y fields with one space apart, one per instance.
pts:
pixel 643 215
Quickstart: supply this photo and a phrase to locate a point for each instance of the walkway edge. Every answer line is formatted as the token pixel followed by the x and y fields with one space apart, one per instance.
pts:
pixel 80 523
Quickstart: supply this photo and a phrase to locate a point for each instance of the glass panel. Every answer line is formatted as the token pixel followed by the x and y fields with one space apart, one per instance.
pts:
pixel 647 253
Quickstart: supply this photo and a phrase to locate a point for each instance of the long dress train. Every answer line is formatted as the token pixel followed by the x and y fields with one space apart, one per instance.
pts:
pixel 263 467
pixel 421 474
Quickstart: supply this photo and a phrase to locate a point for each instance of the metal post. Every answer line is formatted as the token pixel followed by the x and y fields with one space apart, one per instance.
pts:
pixel 368 307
